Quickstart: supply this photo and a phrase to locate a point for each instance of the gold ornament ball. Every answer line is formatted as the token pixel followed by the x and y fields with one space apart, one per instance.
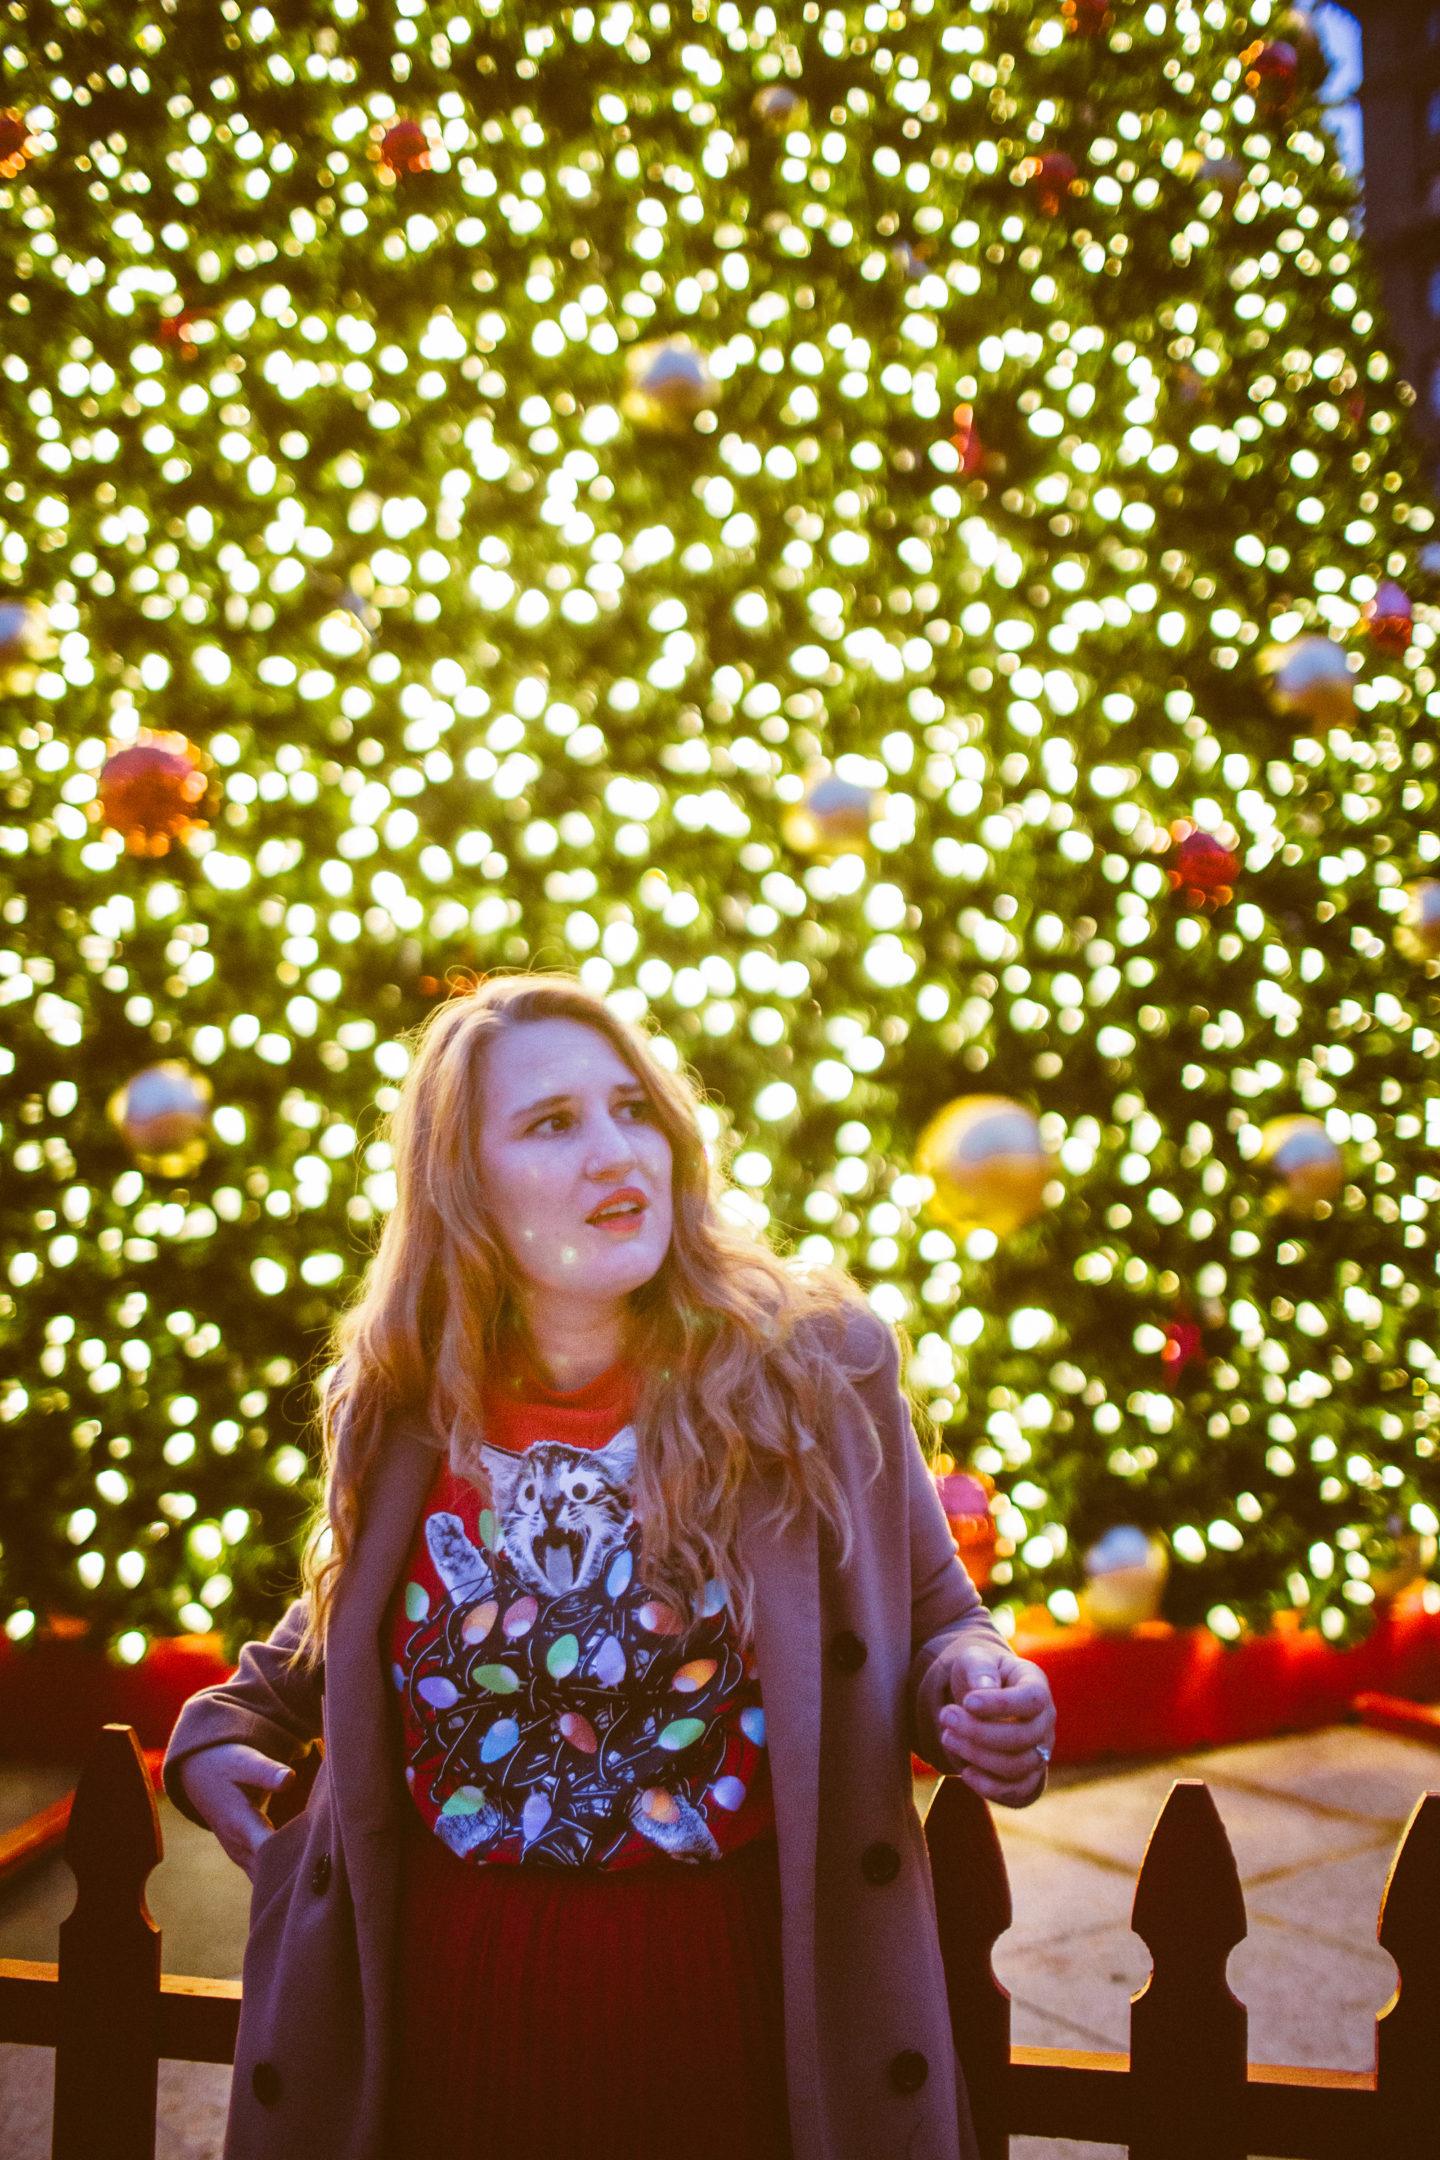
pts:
pixel 1225 173
pixel 1304 1161
pixel 988 1163
pixel 1414 1558
pixel 1417 933
pixel 668 383
pixel 348 630
pixel 1126 1571
pixel 346 617
pixel 832 817
pixel 779 107
pixel 1310 680
pixel 25 640
pixel 163 1115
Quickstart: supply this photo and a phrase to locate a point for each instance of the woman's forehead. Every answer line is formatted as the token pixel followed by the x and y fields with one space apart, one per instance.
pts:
pixel 544 1057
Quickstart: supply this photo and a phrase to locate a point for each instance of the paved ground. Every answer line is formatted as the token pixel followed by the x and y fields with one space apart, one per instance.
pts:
pixel 1313 1820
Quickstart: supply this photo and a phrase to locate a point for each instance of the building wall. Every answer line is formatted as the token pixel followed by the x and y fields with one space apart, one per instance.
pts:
pixel 1399 98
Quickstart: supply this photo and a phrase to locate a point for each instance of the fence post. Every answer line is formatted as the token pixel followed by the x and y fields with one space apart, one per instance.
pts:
pixel 107 2025
pixel 1187 2031
pixel 1407 2030
pixel 972 1906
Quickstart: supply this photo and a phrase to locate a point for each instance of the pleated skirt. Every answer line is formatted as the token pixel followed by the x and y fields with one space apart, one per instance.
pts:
pixel 597 2015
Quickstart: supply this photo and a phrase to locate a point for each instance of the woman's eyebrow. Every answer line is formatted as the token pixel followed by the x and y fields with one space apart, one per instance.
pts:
pixel 546 1102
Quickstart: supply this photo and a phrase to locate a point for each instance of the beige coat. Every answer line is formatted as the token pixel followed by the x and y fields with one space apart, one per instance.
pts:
pixel 852 1668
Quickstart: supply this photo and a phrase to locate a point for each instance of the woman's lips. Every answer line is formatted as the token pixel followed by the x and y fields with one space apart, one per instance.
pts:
pixel 621 1225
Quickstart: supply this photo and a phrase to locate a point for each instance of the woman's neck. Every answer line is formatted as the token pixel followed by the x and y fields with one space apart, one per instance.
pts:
pixel 566 1367
pixel 569 1382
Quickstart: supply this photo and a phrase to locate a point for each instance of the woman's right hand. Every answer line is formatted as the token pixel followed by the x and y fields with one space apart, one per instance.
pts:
pixel 218 1781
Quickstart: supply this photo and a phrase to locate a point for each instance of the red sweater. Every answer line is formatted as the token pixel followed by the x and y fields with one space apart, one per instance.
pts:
pixel 555 1710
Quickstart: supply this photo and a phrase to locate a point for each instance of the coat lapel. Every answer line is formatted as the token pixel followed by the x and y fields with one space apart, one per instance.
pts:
pixel 357 1707
pixel 785 1569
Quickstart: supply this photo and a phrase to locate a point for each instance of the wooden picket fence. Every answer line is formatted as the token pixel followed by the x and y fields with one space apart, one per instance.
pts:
pixel 1185 2091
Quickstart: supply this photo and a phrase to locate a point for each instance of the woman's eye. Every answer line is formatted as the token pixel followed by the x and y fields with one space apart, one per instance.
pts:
pixel 643 1108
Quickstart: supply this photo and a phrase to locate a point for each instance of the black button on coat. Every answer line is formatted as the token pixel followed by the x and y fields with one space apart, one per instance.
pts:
pixel 908 2070
pixel 847 1652
pixel 880 1863
pixel 265 2083
pixel 320 1874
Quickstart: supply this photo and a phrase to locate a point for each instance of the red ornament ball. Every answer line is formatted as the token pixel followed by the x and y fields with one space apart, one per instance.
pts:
pixel 1194 388
pixel 965 437
pixel 405 147
pixel 1296 28
pixel 1087 18
pixel 1183 1338
pixel 175 330
pixel 15 142
pixel 1390 619
pixel 1272 73
pixel 152 793
pixel 1204 869
pixel 1051 179
pixel 965 1496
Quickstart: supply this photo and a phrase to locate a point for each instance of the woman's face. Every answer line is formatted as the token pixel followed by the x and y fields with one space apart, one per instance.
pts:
pixel 549 1163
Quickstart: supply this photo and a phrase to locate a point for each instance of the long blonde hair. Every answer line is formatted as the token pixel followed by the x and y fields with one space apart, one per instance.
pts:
pixel 733 1376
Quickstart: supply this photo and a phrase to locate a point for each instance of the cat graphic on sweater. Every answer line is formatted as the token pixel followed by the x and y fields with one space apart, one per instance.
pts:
pixel 561 1510
pixel 563 1517
pixel 564 1510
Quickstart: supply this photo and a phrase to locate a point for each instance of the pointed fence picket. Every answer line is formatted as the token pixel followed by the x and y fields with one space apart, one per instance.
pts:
pixel 106 2009
pixel 1407 2055
pixel 1184 2091
pixel 110 1955
pixel 1187 2031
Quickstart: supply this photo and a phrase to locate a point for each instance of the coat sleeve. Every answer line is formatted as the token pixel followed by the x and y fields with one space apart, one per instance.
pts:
pixel 262 1704
pixel 945 1607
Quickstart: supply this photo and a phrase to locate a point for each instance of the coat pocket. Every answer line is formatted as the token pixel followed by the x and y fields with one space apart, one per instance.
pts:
pixel 276 1861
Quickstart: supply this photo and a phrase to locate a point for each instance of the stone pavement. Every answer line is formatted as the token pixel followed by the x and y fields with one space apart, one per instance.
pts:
pixel 1313 1819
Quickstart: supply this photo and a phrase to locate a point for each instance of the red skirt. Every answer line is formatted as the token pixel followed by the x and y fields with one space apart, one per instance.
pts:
pixel 551 2012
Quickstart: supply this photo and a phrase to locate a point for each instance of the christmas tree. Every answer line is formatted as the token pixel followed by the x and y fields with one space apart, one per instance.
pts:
pixel 885 538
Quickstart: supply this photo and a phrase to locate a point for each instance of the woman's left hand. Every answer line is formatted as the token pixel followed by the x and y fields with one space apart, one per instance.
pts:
pixel 998 1728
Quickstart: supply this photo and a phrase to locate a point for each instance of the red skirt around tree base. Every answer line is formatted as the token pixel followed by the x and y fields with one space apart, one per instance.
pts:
pixel 549 2012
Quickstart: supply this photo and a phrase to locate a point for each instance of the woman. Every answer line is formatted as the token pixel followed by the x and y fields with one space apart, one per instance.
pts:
pixel 629 1598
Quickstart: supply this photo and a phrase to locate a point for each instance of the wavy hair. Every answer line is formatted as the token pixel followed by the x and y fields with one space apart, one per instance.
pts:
pixel 733 1372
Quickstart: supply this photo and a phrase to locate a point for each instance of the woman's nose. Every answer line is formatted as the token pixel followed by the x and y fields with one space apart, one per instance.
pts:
pixel 612 1147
